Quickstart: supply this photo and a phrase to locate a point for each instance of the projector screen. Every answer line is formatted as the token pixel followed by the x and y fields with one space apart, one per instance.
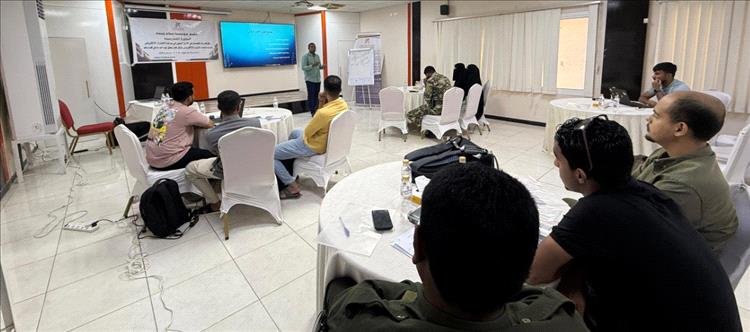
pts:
pixel 246 44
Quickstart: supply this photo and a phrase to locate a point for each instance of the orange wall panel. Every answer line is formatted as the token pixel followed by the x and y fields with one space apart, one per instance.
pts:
pixel 194 72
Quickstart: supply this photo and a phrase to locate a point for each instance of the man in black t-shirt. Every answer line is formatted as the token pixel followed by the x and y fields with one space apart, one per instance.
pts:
pixel 641 266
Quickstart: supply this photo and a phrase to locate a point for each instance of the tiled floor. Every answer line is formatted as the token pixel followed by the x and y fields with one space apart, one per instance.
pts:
pixel 262 279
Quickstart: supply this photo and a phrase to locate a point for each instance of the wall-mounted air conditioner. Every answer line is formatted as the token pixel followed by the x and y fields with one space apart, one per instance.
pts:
pixel 27 70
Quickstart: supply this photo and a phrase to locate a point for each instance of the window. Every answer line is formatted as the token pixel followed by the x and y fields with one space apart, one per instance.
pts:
pixel 571 53
pixel 575 53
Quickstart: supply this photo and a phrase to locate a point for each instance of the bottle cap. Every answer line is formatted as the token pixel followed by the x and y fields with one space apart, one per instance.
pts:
pixel 404 177
pixel 462 159
pixel 406 161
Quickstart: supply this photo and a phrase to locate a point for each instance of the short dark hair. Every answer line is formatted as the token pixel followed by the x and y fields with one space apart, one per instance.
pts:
pixel 429 70
pixel 666 67
pixel 228 101
pixel 480 229
pixel 311 43
pixel 609 145
pixel 332 85
pixel 702 121
pixel 181 91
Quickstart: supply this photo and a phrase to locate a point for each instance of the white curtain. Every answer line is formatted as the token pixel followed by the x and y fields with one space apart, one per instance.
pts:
pixel 518 52
pixel 709 41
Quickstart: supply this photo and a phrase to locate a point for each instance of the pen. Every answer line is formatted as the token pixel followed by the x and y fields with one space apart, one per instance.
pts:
pixel 346 230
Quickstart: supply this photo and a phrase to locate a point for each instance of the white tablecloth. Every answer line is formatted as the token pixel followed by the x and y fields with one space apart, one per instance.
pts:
pixel 633 119
pixel 413 99
pixel 278 120
pixel 377 187
pixel 140 111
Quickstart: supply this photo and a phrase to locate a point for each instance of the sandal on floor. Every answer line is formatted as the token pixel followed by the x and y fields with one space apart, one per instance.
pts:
pixel 286 194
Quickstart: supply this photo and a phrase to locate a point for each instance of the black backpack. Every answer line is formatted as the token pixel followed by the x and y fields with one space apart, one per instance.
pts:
pixel 428 161
pixel 163 210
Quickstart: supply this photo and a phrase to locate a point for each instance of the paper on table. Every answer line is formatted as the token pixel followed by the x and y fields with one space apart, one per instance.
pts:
pixel 404 243
pixel 361 239
pixel 421 182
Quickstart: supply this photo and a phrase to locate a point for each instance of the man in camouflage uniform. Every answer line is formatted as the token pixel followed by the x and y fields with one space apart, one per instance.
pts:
pixel 472 271
pixel 435 86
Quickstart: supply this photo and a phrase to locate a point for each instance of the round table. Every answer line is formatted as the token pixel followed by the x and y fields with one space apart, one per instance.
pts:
pixel 277 120
pixel 632 118
pixel 377 187
pixel 413 98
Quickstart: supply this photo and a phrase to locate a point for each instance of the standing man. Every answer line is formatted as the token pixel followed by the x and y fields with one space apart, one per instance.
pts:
pixel 311 66
pixel 435 86
pixel 663 84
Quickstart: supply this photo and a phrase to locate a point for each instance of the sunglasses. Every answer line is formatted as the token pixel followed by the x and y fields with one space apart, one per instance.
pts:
pixel 581 126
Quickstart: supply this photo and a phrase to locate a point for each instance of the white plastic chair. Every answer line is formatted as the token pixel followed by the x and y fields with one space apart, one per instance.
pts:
pixel 472 105
pixel 392 113
pixel 486 94
pixel 735 257
pixel 439 125
pixel 739 159
pixel 249 178
pixel 321 167
pixel 145 176
pixel 728 140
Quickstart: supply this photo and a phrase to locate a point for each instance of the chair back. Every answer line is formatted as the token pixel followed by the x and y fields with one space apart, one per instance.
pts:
pixel 65 115
pixel 392 104
pixel 451 105
pixel 340 136
pixel 725 98
pixel 472 101
pixel 247 160
pixel 735 257
pixel 486 92
pixel 739 159
pixel 132 153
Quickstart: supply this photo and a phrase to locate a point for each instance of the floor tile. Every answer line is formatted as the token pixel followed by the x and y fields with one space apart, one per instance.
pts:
pixel 204 300
pixel 88 299
pixel 252 317
pixel 27 251
pixel 310 235
pixel 742 292
pixel 276 264
pixel 71 239
pixel 152 245
pixel 89 260
pixel 33 208
pixel 250 228
pixel 26 314
pixel 297 297
pixel 24 228
pixel 304 211
pixel 187 260
pixel 28 280
pixel 134 317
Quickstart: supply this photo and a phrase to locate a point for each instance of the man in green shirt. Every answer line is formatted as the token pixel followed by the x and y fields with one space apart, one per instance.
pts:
pixel 435 86
pixel 311 67
pixel 473 248
pixel 685 167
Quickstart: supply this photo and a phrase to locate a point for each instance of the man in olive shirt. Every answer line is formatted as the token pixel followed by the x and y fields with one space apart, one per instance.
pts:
pixel 476 239
pixel 685 167
pixel 313 140
pixel 311 67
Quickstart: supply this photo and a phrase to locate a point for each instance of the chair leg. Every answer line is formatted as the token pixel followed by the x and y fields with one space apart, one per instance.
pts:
pixel 226 226
pixel 127 206
pixel 107 142
pixel 380 135
pixel 73 145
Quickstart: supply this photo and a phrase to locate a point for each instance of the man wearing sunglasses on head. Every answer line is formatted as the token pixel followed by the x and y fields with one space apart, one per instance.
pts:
pixel 625 253
pixel 200 171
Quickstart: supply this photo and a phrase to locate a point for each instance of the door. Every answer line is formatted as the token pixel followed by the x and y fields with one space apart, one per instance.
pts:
pixel 71 67
pixel 343 60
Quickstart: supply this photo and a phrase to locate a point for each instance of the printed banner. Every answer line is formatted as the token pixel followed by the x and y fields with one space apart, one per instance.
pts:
pixel 159 40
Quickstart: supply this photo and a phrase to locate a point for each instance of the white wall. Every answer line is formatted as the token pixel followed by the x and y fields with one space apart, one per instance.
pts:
pixel 250 80
pixel 341 30
pixel 123 50
pixel 309 29
pixel 391 22
pixel 88 20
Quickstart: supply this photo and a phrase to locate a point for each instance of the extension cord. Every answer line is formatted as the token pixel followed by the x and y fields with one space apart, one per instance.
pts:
pixel 81 227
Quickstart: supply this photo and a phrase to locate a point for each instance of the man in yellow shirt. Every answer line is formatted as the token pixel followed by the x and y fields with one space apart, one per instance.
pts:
pixel 313 139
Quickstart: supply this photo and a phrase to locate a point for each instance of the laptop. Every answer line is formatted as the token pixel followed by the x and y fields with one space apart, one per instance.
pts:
pixel 625 99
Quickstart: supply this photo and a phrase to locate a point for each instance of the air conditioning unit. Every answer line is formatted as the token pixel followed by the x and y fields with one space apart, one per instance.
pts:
pixel 27 70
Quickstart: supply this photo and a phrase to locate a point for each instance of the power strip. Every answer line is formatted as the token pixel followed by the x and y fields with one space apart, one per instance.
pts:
pixel 81 227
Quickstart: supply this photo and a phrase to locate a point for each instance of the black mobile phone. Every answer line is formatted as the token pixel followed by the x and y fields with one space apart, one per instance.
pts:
pixel 381 219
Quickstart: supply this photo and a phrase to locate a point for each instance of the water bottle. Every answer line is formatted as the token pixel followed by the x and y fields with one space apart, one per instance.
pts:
pixel 406 169
pixel 275 103
pixel 405 187
pixel 202 107
pixel 602 101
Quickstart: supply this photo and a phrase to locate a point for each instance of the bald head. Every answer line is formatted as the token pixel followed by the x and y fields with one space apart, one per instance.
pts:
pixel 702 113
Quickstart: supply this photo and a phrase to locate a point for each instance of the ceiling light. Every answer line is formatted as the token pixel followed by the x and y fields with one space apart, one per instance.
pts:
pixel 316 8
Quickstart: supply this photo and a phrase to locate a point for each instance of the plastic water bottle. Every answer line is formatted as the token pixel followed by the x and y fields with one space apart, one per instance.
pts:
pixel 406 169
pixel 405 187
pixel 602 101
pixel 275 103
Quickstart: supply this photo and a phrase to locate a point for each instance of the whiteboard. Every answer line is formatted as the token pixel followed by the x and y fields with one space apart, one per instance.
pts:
pixel 361 66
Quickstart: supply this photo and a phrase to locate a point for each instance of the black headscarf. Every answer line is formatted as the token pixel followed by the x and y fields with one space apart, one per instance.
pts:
pixel 459 76
pixel 473 77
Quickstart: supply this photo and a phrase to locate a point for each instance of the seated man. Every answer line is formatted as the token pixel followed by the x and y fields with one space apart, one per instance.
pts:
pixel 685 167
pixel 663 84
pixel 314 138
pixel 477 236
pixel 435 86
pixel 200 171
pixel 170 139
pixel 643 267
